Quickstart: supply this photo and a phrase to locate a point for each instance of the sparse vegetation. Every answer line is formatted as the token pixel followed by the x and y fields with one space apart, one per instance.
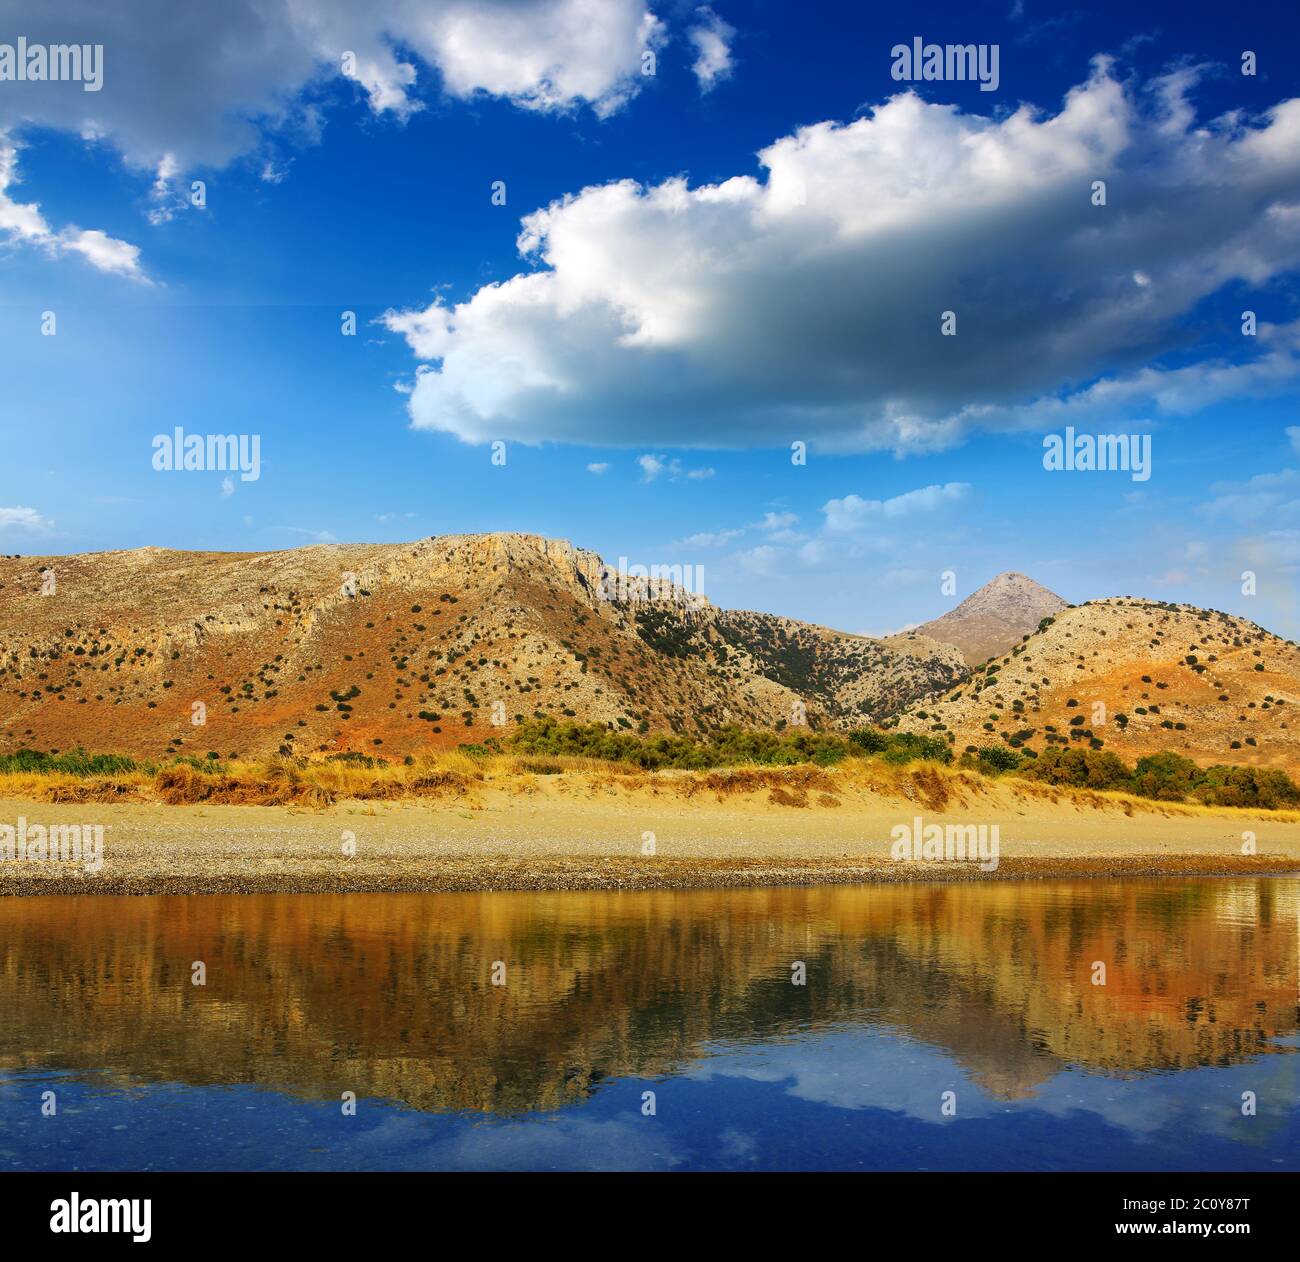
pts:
pixel 1165 777
pixel 731 746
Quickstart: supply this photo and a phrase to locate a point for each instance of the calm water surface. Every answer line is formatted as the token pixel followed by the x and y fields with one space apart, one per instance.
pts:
pixel 984 991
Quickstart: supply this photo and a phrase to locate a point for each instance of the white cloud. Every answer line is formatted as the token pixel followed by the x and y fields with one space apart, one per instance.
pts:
pixel 711 38
pixel 854 513
pixel 1274 548
pixel 316 536
pixel 1268 497
pixel 762 561
pixel 23 519
pixel 23 224
pixel 653 467
pixel 1167 391
pixel 854 530
pixel 808 303
pixel 203 83
pixel 1293 433
pixel 597 467
pixel 712 538
pixel 163 193
pixel 907 576
pixel 103 252
pixel 227 487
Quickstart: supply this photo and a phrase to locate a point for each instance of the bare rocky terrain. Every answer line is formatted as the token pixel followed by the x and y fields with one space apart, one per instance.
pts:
pixel 990 621
pixel 387 649
pixel 1134 677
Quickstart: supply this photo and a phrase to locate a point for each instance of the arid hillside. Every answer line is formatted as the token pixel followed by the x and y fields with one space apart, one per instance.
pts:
pixel 990 621
pixel 1134 677
pixel 387 649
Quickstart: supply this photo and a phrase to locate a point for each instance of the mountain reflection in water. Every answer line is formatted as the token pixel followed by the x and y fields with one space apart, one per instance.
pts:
pixel 391 996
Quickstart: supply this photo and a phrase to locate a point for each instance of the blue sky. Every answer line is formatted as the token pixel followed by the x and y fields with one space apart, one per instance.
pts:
pixel 684 311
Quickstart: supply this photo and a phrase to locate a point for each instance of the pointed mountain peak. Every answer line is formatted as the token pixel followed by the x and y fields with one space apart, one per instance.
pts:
pixel 995 617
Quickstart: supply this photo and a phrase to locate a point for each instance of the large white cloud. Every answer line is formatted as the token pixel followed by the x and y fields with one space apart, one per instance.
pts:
pixel 195 83
pixel 807 305
pixel 186 85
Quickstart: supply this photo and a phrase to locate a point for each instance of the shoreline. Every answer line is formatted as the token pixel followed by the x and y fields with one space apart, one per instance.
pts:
pixel 462 875
pixel 585 831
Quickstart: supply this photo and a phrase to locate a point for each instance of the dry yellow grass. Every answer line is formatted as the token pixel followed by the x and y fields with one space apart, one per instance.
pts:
pixel 455 775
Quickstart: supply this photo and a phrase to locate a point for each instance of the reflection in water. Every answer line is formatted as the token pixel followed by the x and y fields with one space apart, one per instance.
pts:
pixel 391 996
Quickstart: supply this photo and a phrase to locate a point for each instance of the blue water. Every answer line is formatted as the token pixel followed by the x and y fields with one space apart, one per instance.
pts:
pixel 911 992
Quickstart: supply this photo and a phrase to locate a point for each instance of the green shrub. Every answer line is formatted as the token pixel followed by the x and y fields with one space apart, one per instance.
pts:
pixel 1080 768
pixel 76 763
pixel 993 760
pixel 1167 777
pixel 901 747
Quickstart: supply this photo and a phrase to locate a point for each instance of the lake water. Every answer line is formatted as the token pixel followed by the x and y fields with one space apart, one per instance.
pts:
pixel 983 991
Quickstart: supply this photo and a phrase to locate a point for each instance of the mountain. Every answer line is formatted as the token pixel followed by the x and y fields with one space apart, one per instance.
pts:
pixel 388 648
pixel 988 622
pixel 1135 677
pixel 852 679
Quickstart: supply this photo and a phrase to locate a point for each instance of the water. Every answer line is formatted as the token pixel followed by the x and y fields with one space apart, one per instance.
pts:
pixel 985 991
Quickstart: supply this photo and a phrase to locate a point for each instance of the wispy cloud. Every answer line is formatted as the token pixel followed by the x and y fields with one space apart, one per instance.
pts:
pixel 711 38
pixel 27 519
pixel 853 513
pixel 653 467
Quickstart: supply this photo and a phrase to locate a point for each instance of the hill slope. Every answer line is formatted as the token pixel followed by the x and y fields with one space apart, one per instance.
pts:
pixel 995 618
pixel 1166 676
pixel 385 649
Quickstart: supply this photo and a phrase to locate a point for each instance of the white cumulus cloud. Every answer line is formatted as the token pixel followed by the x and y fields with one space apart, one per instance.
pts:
pixel 181 86
pixel 187 84
pixel 807 304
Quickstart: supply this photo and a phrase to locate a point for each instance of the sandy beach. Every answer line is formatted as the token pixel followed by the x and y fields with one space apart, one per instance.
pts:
pixel 662 831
